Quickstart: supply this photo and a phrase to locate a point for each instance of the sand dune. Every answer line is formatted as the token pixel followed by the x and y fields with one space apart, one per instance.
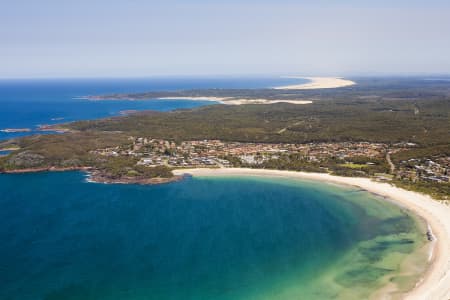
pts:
pixel 318 83
pixel 239 101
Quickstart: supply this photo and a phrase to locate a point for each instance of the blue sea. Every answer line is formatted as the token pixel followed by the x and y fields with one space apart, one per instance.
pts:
pixel 201 238
pixel 34 102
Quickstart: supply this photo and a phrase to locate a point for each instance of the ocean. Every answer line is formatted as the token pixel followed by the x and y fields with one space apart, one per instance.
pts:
pixel 201 238
pixel 34 102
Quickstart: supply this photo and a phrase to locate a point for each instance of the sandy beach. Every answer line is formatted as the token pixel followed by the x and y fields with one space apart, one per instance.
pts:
pixel 318 83
pixel 435 283
pixel 315 83
pixel 238 101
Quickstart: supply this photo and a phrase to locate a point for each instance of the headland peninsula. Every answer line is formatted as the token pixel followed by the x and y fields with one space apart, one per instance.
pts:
pixel 390 130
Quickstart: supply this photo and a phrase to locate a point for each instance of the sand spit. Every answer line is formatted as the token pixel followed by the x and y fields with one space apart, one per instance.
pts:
pixel 238 101
pixel 318 83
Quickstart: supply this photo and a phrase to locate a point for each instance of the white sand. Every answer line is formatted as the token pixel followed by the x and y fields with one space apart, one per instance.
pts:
pixel 318 83
pixel 435 284
pixel 315 83
pixel 238 101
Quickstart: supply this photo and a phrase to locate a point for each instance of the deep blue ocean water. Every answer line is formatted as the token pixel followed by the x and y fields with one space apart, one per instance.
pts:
pixel 201 238
pixel 30 103
pixel 215 238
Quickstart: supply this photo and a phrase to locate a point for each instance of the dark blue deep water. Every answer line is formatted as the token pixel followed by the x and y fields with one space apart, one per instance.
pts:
pixel 30 103
pixel 201 238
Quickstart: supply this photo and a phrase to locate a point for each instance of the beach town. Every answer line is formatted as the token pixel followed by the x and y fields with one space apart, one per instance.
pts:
pixel 216 153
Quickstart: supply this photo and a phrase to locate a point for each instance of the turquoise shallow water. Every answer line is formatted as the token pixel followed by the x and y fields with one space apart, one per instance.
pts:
pixel 202 238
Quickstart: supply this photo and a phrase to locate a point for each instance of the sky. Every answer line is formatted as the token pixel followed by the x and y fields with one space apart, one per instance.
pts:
pixel 109 38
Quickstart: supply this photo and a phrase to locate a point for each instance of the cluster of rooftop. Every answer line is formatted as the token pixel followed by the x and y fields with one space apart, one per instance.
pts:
pixel 207 153
pixel 433 169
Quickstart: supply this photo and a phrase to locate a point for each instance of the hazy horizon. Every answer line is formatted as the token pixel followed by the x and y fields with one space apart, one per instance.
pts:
pixel 432 76
pixel 136 39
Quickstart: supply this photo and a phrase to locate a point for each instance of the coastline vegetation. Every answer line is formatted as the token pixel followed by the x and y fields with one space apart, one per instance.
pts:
pixel 390 111
pixel 321 121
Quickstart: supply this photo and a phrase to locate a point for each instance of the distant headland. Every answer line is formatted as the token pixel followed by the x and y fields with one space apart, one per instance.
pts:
pixel 283 94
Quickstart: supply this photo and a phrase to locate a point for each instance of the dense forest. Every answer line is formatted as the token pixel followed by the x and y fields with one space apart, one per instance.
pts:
pixel 425 122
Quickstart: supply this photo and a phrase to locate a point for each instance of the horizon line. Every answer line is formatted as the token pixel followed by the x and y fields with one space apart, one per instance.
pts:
pixel 251 75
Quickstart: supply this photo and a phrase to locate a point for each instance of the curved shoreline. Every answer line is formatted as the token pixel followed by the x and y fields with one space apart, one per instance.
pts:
pixel 237 101
pixel 95 176
pixel 435 283
pixel 318 83
pixel 314 83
